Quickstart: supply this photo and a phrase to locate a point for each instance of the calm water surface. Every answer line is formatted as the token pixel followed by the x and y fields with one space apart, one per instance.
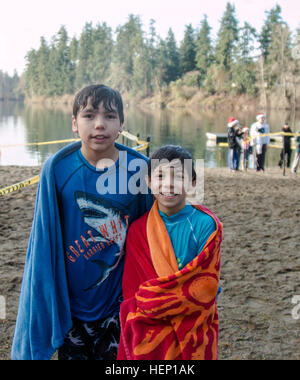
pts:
pixel 20 124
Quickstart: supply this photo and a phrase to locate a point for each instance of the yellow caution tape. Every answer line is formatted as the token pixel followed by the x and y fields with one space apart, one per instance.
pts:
pixel 142 144
pixel 142 147
pixel 135 138
pixel 20 185
pixel 277 146
pixel 129 136
pixel 9 189
pixel 225 145
pixel 277 134
pixel 290 134
pixel 40 143
pixel 124 133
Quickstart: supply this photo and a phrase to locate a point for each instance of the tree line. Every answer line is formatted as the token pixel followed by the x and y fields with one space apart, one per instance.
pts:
pixel 10 87
pixel 239 60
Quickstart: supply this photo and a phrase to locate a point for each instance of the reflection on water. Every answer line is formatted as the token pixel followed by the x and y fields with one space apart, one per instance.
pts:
pixel 21 124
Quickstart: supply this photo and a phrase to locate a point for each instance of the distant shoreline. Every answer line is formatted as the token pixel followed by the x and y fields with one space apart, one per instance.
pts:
pixel 197 101
pixel 11 100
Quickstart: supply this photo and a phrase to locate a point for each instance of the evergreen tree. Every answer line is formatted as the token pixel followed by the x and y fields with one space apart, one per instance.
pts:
pixel 152 46
pixel 64 67
pixel 162 64
pixel 129 43
pixel 43 54
pixel 74 51
pixel 142 73
pixel 168 61
pixel 243 68
pixel 52 70
pixel 101 58
pixel 152 41
pixel 227 38
pixel 188 51
pixel 280 55
pixel 9 86
pixel 276 48
pixel 60 68
pixel 85 52
pixel 144 65
pixel 31 74
pixel 204 50
pixel 273 19
pixel 172 72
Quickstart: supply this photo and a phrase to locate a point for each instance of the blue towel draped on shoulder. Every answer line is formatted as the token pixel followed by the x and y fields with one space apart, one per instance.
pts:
pixel 44 315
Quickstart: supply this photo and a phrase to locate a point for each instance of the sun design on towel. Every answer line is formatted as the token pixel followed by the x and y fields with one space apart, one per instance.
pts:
pixel 177 304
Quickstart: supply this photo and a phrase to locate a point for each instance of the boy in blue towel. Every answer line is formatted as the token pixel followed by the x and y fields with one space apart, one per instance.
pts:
pixel 87 198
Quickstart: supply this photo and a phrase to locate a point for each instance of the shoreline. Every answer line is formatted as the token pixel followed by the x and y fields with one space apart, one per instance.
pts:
pixel 260 258
pixel 199 101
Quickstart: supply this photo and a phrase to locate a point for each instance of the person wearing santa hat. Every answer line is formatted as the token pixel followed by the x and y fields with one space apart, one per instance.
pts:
pixel 234 144
pixel 260 141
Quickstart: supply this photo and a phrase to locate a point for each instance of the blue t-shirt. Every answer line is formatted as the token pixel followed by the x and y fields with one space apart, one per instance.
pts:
pixel 94 227
pixel 189 230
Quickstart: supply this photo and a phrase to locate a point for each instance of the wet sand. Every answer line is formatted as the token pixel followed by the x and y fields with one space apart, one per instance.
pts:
pixel 260 258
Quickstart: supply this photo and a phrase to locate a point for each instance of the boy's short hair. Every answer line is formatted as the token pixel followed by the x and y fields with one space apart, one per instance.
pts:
pixel 170 153
pixel 99 93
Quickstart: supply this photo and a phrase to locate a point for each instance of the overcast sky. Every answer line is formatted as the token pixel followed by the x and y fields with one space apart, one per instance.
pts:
pixel 23 22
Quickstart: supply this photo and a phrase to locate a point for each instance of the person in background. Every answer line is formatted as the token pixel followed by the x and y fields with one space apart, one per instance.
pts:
pixel 245 147
pixel 234 144
pixel 286 150
pixel 297 153
pixel 260 140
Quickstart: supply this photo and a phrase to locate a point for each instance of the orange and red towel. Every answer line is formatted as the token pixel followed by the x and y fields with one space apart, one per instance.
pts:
pixel 168 314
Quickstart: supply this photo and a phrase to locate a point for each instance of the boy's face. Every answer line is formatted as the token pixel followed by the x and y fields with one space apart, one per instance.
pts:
pixel 167 184
pixel 98 129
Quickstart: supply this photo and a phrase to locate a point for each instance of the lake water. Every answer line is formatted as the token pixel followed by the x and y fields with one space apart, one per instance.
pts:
pixel 20 124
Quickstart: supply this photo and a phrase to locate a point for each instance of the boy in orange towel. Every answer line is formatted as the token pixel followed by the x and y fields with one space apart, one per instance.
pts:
pixel 172 269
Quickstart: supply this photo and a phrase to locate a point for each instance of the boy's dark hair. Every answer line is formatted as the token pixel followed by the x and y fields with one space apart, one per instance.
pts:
pixel 170 153
pixel 99 93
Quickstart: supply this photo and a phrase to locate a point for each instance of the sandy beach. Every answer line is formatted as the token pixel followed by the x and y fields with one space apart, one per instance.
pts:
pixel 260 258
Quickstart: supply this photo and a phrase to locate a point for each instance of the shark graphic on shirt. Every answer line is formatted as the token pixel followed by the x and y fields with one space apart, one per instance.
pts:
pixel 96 212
